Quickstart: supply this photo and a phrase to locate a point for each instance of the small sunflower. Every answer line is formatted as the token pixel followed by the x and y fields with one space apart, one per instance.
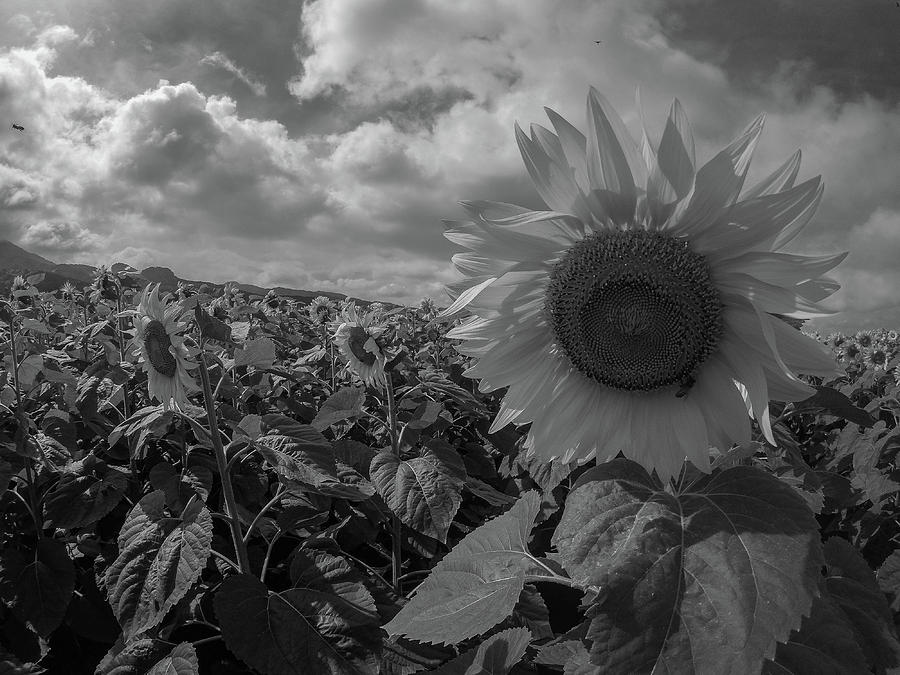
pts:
pixel 321 310
pixel 875 358
pixel 637 314
pixel 160 345
pixel 864 338
pixel 357 336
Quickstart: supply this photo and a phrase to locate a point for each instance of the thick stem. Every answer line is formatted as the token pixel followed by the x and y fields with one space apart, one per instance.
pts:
pixel 23 426
pixel 240 547
pixel 396 552
pixel 121 333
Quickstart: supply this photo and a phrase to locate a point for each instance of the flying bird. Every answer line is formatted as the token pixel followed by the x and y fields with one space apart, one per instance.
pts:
pixel 18 127
pixel 597 42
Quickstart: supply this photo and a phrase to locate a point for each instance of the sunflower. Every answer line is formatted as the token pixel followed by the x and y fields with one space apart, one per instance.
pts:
pixel 875 358
pixel 159 343
pixel 321 309
pixel 357 336
pixel 636 315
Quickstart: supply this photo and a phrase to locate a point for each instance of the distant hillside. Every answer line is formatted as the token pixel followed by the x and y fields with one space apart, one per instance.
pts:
pixel 16 260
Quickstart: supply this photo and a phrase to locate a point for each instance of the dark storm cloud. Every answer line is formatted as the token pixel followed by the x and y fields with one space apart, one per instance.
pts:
pixel 849 47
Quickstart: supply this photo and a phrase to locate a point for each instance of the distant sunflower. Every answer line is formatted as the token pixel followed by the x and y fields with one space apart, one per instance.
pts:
pixel 321 309
pixel 864 338
pixel 636 316
pixel 875 358
pixel 357 335
pixel 159 343
pixel 851 351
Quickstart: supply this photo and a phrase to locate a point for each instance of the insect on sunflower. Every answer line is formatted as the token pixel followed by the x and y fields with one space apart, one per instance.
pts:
pixel 159 342
pixel 636 314
pixel 357 335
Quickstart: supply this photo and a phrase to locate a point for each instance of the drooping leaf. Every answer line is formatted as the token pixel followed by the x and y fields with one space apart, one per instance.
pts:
pixel 182 660
pixel 37 584
pixel 295 631
pixel 86 492
pixel 532 613
pixel 297 451
pixel 425 492
pixel 259 353
pixel 852 584
pixel 829 400
pixel 346 403
pixel 160 557
pixel 210 326
pixel 708 580
pixel 495 656
pixel 132 658
pixel 477 584
pixel 874 482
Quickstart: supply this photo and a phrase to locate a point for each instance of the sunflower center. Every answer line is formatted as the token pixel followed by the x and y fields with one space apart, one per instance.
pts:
pixel 634 310
pixel 157 343
pixel 357 343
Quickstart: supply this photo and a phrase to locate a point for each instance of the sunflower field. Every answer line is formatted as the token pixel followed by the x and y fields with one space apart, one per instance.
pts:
pixel 616 451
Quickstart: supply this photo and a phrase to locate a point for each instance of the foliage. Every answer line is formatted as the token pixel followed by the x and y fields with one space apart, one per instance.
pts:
pixel 259 535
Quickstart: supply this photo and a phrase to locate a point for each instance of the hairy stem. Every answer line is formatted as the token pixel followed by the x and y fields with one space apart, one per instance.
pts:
pixel 396 552
pixel 240 547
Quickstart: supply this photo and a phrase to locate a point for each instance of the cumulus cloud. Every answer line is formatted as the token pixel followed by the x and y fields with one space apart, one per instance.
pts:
pixel 400 109
pixel 55 237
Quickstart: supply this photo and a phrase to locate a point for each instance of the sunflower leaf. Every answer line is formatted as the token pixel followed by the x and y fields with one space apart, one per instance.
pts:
pixel 708 580
pixel 852 585
pixel 297 630
pixel 823 644
pixel 298 451
pixel 425 492
pixel 477 584
pixel 210 327
pixel 85 493
pixel 833 402
pixel 37 584
pixel 345 403
pixel 496 655
pixel 160 557
pixel 182 660
pixel 259 353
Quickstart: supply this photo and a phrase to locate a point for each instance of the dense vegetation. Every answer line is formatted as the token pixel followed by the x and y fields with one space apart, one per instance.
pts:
pixel 123 550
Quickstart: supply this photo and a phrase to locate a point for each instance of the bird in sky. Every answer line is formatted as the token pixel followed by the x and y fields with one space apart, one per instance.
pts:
pixel 18 127
pixel 597 42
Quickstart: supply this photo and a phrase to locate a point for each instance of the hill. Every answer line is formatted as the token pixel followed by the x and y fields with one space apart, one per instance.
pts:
pixel 15 260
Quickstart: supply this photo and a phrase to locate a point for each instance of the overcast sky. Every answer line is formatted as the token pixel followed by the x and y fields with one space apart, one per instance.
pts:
pixel 319 144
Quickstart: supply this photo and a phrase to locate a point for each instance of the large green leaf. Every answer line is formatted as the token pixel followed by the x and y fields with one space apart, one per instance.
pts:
pixel 37 584
pixel 425 492
pixel 494 656
pixel 132 658
pixel 87 490
pixel 824 645
pixel 345 403
pixel 160 557
pixel 259 353
pixel 298 451
pixel 708 580
pixel 854 588
pixel 477 584
pixel 300 630
pixel 182 660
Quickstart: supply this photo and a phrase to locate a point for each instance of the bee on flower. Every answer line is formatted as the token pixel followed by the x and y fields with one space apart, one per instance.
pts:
pixel 159 343
pixel 637 313
pixel 357 334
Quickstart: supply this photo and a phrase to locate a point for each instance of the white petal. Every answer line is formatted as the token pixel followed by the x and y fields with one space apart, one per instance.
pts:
pixel 778 181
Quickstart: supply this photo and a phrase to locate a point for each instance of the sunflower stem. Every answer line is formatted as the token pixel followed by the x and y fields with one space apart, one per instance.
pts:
pixel 396 551
pixel 23 426
pixel 240 547
pixel 121 333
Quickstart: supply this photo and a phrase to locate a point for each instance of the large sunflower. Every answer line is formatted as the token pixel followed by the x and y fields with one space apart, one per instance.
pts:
pixel 357 337
pixel 636 315
pixel 160 345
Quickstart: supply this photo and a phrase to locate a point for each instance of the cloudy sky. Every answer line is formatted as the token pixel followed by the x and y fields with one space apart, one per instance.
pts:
pixel 319 144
